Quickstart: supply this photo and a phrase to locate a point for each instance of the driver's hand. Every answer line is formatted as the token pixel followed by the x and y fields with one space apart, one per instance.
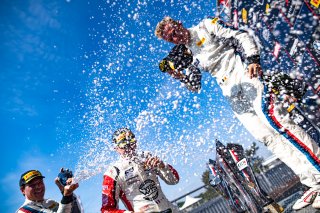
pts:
pixel 176 74
pixel 153 162
pixel 67 189
pixel 289 99
pixel 254 70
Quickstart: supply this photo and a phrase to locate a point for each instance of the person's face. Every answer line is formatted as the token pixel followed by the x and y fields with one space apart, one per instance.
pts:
pixel 127 150
pixel 175 33
pixel 34 190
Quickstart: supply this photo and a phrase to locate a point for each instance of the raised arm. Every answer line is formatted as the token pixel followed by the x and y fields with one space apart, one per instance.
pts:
pixel 241 40
pixel 169 175
pixel 165 171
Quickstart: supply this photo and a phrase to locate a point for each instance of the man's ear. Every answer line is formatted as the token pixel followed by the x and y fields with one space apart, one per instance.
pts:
pixel 22 190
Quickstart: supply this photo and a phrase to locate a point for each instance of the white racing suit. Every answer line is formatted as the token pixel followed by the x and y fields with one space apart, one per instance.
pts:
pixel 225 52
pixel 46 206
pixel 138 187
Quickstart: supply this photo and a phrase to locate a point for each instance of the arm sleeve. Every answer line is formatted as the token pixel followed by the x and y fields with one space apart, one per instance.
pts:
pixel 242 41
pixel 192 78
pixel 65 208
pixel 111 191
pixel 169 175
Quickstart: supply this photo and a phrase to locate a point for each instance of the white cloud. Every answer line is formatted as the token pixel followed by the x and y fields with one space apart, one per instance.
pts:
pixel 28 37
pixel 15 104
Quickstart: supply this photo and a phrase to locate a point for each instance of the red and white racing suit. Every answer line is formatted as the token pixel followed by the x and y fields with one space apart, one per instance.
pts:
pixel 137 187
pixel 225 53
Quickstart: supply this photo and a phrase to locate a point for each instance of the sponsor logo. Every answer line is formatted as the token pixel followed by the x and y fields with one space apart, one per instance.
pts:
pixel 267 9
pixel 297 119
pixel 244 15
pixel 27 177
pixel 293 49
pixel 200 43
pixel 149 189
pixel 315 3
pixel 242 164
pixel 132 180
pixel 128 173
pixel 130 177
pixel 294 8
pixel 316 46
pixel 214 21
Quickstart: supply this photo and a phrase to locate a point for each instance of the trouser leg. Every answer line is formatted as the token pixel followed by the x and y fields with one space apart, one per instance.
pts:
pixel 269 123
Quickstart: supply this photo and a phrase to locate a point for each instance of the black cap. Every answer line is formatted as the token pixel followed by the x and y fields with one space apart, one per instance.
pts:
pixel 28 176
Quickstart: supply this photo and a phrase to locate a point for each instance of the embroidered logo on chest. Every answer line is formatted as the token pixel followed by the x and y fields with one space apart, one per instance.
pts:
pixel 128 173
pixel 149 189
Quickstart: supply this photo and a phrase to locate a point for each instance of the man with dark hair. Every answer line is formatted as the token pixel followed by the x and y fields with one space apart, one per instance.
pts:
pixel 33 188
pixel 232 57
pixel 134 179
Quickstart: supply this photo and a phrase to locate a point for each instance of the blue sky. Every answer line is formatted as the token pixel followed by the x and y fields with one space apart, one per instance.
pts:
pixel 74 71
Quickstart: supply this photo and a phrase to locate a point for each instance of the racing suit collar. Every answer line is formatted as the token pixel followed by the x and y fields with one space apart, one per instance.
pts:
pixel 27 201
pixel 193 39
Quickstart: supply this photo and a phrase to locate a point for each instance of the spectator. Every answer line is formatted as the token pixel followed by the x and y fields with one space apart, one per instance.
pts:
pixel 33 188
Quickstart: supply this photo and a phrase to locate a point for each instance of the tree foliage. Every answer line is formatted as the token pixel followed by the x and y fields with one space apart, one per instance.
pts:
pixel 254 159
pixel 209 192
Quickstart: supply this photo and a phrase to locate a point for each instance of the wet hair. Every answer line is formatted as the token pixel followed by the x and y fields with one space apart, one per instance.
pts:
pixel 160 26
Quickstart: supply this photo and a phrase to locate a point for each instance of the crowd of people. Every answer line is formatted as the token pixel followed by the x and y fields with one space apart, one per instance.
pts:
pixel 232 57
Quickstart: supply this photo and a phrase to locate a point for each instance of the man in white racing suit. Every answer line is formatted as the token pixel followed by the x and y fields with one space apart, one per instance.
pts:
pixel 33 188
pixel 134 179
pixel 232 57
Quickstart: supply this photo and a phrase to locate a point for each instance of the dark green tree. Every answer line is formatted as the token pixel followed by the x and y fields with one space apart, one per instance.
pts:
pixel 209 192
pixel 254 159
